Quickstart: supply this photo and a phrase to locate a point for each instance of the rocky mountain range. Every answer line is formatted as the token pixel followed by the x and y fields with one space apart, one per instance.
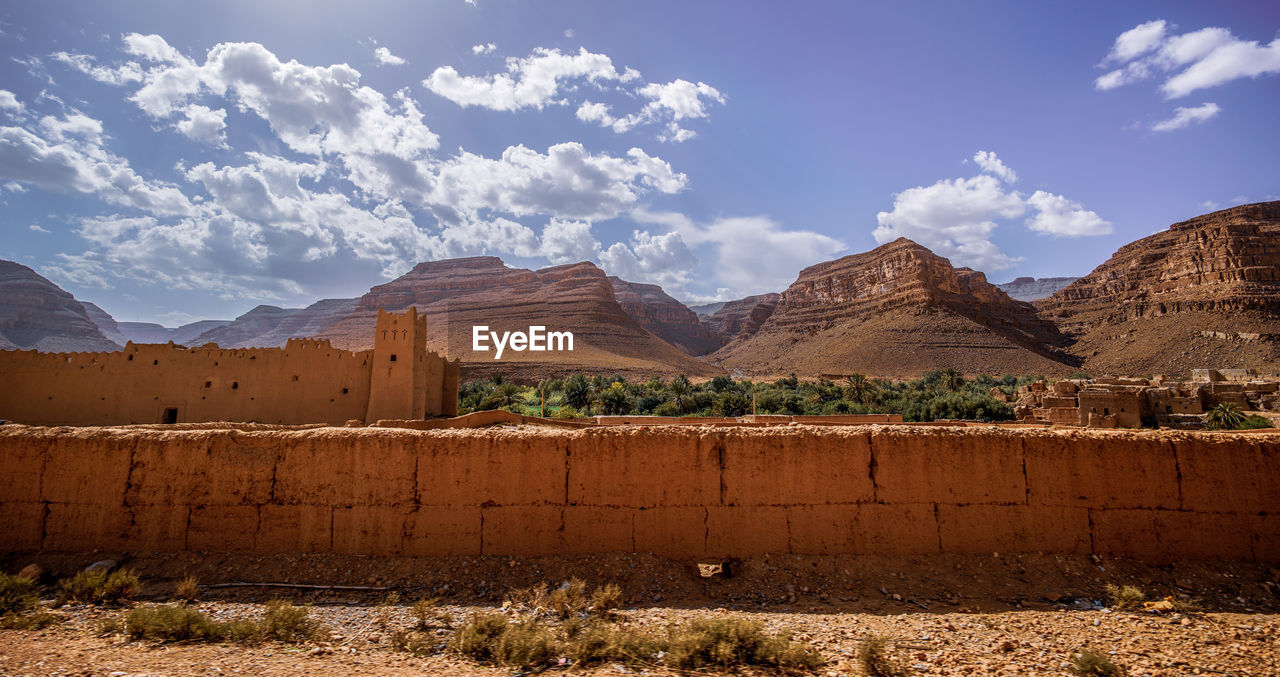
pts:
pixel 1204 292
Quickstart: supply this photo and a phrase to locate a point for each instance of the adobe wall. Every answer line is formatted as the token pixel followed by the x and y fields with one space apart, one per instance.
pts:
pixel 688 493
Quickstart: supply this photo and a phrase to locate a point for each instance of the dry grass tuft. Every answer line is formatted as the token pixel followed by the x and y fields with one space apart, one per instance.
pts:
pixel 730 642
pixel 875 660
pixel 188 589
pixel 1124 597
pixel 569 599
pixel 1090 663
pixel 99 587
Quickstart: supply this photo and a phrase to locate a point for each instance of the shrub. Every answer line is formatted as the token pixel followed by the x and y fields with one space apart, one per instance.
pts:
pixel 490 637
pixel 18 594
pixel 566 412
pixel 99 587
pixel 416 642
pixel 728 642
pixel 172 623
pixel 596 642
pixel 567 600
pixel 1255 422
pixel 874 658
pixel 188 589
pixel 1124 597
pixel 606 598
pixel 288 623
pixel 429 614
pixel 1090 663
pixel 36 621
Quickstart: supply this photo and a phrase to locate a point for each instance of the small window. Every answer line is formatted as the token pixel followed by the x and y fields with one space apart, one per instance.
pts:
pixel 131 358
pixel 208 384
pixel 235 385
pixel 170 415
pixel 344 391
pixel 155 361
pixel 393 358
pixel 1106 411
pixel 295 377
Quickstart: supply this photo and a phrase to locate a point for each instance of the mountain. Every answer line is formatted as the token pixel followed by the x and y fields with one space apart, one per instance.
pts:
pixel 459 294
pixel 1203 293
pixel 664 317
pixel 187 334
pixel 896 311
pixel 272 327
pixel 105 323
pixel 36 314
pixel 742 317
pixel 707 309
pixel 1034 288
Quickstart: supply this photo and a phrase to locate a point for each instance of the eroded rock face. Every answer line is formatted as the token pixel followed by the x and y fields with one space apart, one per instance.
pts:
pixel 105 323
pixel 187 334
pixel 36 314
pixel 458 294
pixel 1034 288
pixel 664 317
pixel 898 310
pixel 272 327
pixel 742 317
pixel 1205 292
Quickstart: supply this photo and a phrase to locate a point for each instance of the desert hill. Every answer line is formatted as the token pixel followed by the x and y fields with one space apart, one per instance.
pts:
pixel 1203 293
pixel 36 314
pixel 1034 288
pixel 458 294
pixel 706 309
pixel 664 317
pixel 897 310
pixel 272 327
pixel 742 317
pixel 150 332
pixel 105 323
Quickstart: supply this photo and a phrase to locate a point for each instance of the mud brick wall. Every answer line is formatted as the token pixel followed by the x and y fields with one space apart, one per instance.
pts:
pixel 701 493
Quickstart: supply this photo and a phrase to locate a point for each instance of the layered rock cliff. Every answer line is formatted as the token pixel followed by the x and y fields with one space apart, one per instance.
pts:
pixel 272 327
pixel 1203 293
pixel 1034 288
pixel 105 323
pixel 459 294
pixel 742 317
pixel 664 317
pixel 185 335
pixel 36 314
pixel 897 310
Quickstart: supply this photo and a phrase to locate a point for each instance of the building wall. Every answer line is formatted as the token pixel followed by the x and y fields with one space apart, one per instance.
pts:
pixel 307 381
pixel 679 492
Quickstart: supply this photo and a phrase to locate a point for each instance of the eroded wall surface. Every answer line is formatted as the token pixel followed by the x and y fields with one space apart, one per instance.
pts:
pixel 680 492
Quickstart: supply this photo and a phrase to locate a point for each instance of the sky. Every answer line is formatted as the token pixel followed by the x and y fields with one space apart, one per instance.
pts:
pixel 175 161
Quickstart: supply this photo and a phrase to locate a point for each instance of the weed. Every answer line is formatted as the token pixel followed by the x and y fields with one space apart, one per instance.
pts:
pixel 874 658
pixel 1124 597
pixel 429 614
pixel 288 623
pixel 188 589
pixel 1090 663
pixel 525 643
pixel 479 636
pixel 416 642
pixel 18 594
pixel 110 626
pixel 36 621
pixel 729 642
pixel 606 598
pixel 99 587
pixel 570 599
pixel 172 623
pixel 595 642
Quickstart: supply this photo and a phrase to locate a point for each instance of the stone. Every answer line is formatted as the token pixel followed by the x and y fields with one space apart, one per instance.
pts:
pixel 664 317
pixel 32 571
pixel 36 314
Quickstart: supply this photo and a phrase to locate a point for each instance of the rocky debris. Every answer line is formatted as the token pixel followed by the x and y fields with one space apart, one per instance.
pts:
pixel 664 317
pixel 36 314
pixel 1204 292
pixel 272 327
pixel 897 310
pixel 742 317
pixel 1034 288
pixel 185 335
pixel 457 294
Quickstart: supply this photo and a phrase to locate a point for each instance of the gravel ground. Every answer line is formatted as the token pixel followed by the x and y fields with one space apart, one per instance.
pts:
pixel 943 615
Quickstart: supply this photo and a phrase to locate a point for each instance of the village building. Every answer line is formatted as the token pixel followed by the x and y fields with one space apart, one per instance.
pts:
pixel 307 381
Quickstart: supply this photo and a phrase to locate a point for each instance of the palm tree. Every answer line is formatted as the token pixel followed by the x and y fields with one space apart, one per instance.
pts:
pixel 952 380
pixel 1226 416
pixel 680 388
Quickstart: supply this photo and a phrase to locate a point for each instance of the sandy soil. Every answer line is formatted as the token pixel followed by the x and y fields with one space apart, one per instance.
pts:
pixel 945 615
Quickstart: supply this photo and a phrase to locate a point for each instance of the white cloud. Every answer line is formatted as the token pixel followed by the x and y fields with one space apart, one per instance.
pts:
pixel 663 260
pixel 681 98
pixel 534 81
pixel 122 75
pixel 736 244
pixel 10 102
pixel 204 125
pixel 568 32
pixel 1191 61
pixel 956 218
pixel 14 187
pixel 386 58
pixel 992 165
pixel 38 229
pixel 487 48
pixel 568 242
pixel 1058 216
pixel 1183 117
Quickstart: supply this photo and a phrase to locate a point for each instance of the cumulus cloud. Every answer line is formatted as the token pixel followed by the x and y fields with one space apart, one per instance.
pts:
pixel 668 104
pixel 1183 117
pixel 956 218
pixel 662 259
pixel 205 125
pixel 10 102
pixel 993 165
pixel 38 229
pixel 1188 61
pixel 487 48
pixel 568 242
pixel 534 81
pixel 122 75
pixel 384 57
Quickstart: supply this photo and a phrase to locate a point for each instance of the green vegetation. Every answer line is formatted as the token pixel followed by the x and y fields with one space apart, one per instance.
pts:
pixel 19 598
pixel 99 587
pixel 942 394
pixel 282 622
pixel 1227 416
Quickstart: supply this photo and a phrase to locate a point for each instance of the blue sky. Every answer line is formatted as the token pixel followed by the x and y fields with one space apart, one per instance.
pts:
pixel 173 162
